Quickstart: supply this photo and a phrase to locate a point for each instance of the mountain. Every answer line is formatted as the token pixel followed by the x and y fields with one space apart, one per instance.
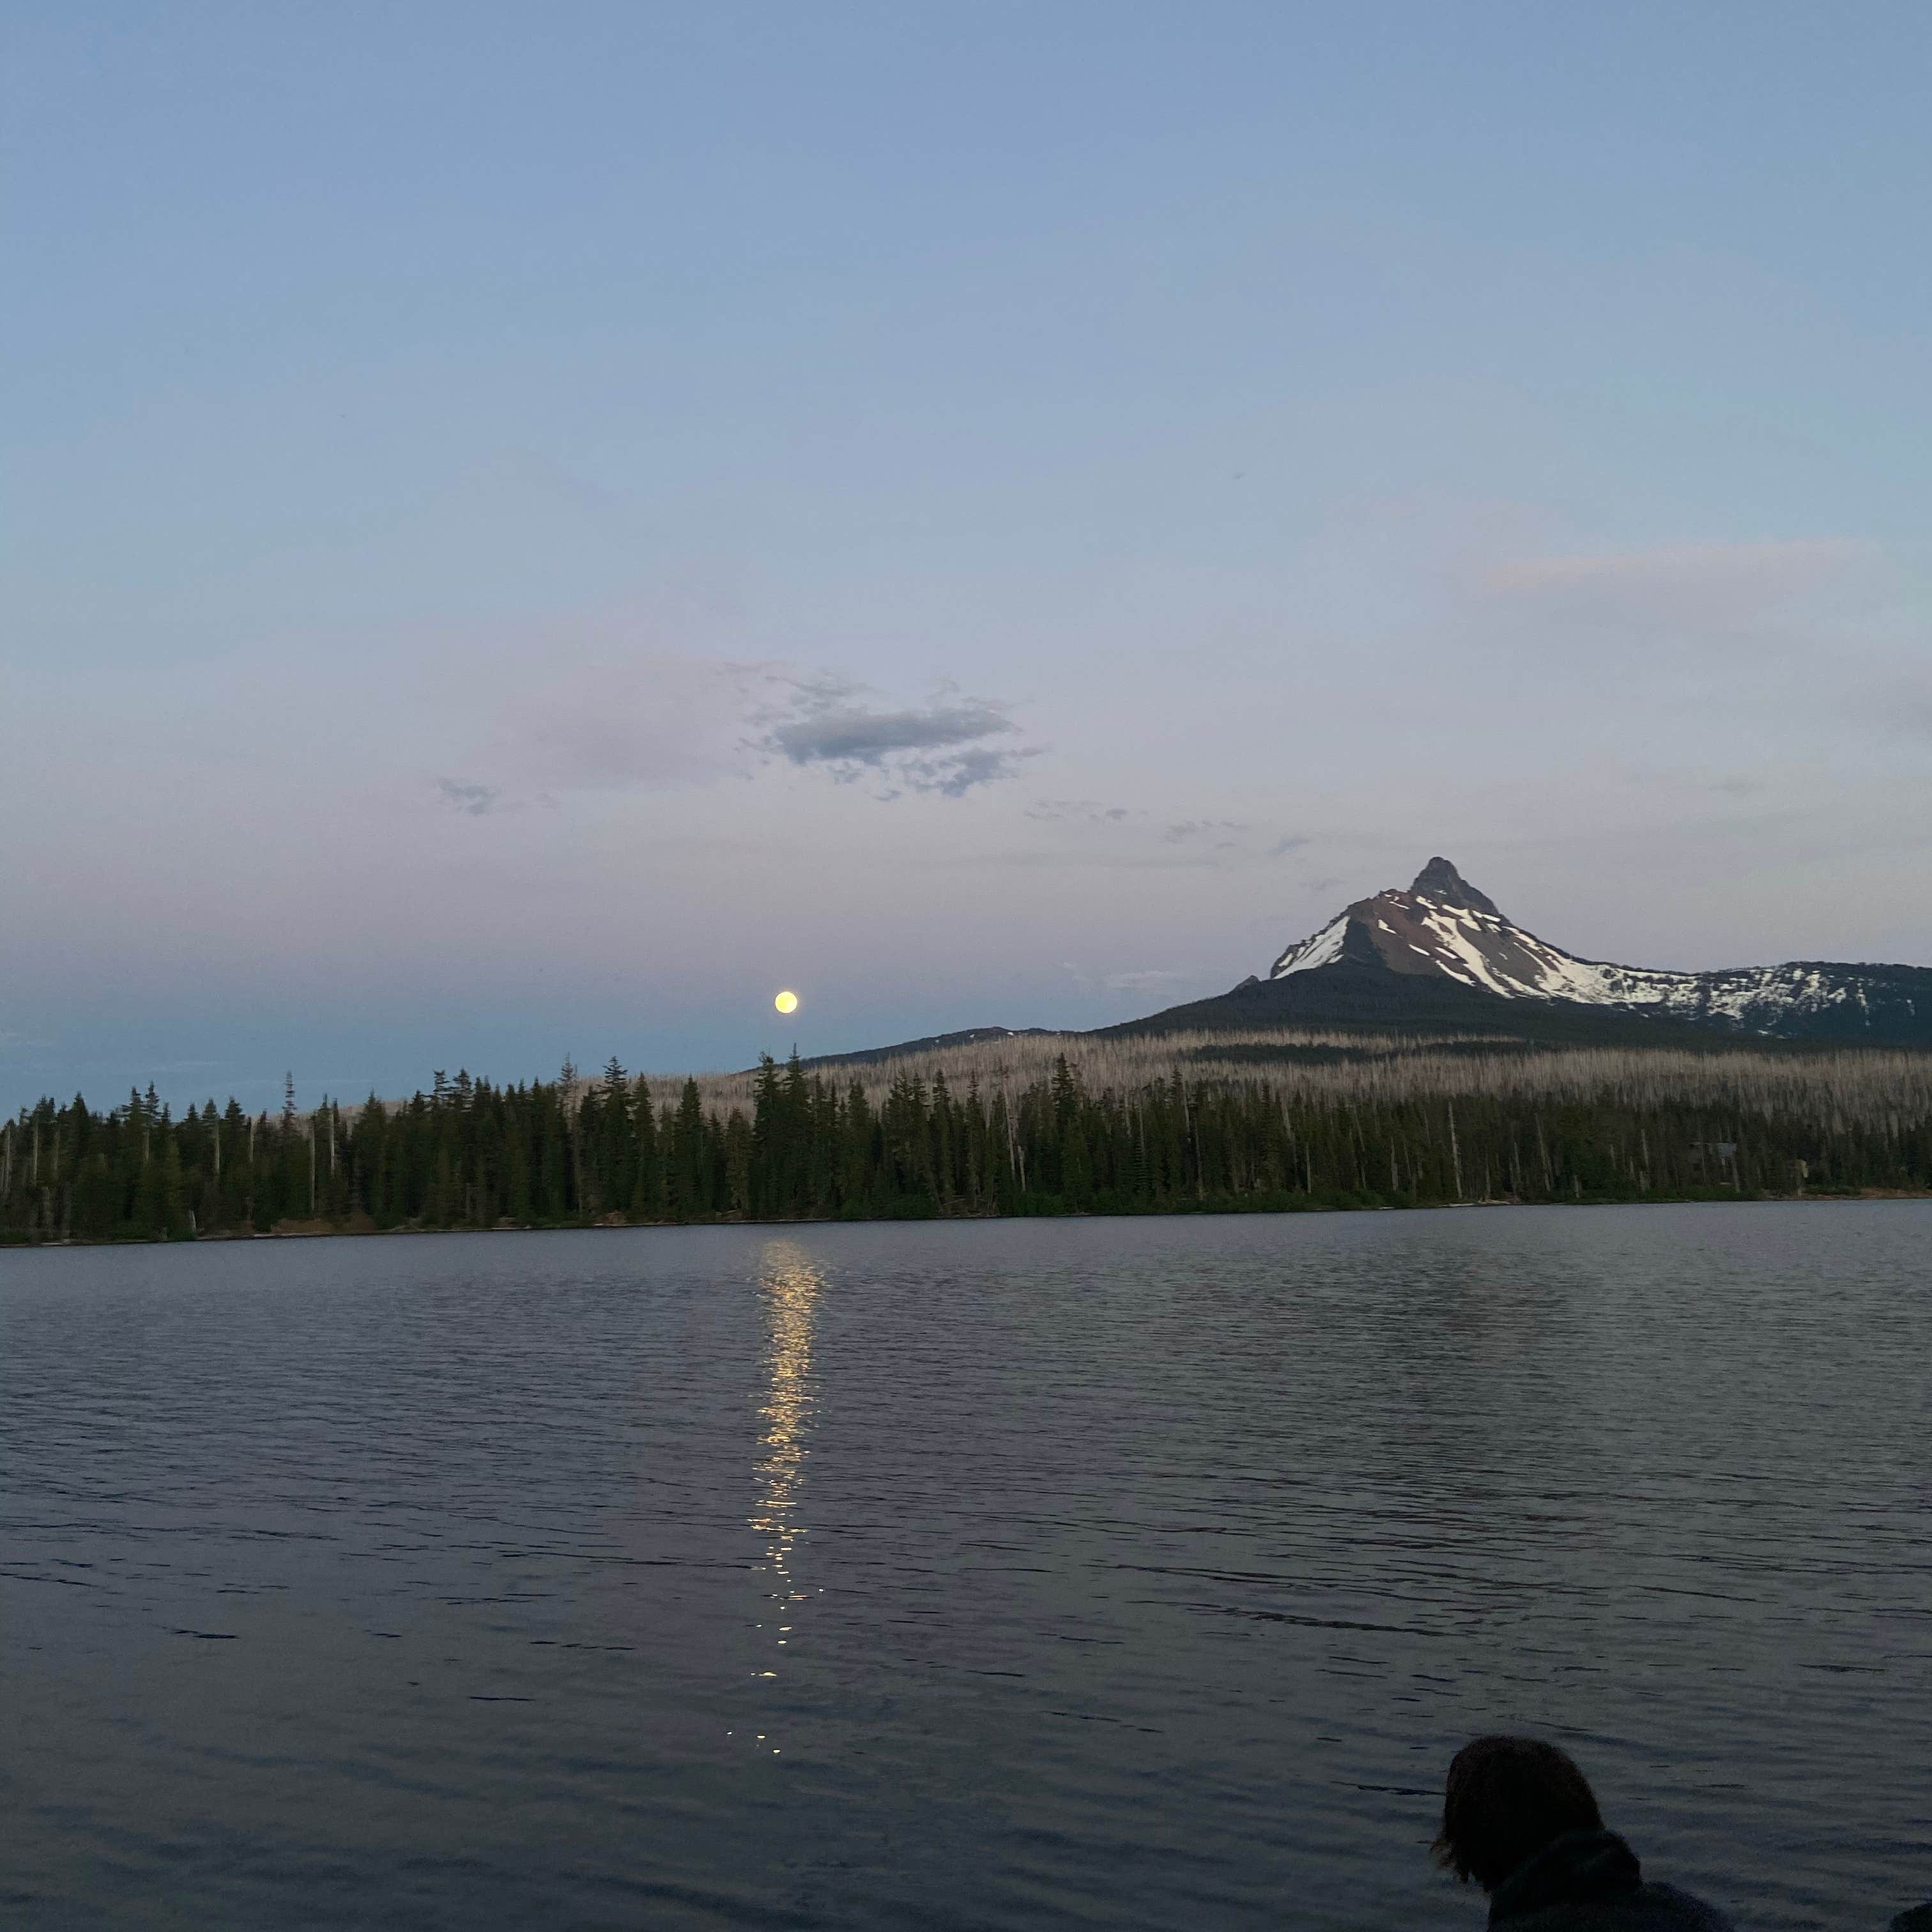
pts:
pixel 1443 961
pixel 1442 954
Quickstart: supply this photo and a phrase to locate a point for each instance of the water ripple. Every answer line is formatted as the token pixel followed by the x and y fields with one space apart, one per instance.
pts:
pixel 1144 1573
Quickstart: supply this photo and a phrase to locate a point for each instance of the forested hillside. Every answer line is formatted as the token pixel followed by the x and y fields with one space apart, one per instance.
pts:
pixel 1398 1130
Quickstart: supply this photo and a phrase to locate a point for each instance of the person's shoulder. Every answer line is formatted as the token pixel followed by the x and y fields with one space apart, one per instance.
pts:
pixel 1647 1908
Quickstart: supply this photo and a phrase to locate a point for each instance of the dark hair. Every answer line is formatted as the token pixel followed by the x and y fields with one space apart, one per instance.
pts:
pixel 1507 1797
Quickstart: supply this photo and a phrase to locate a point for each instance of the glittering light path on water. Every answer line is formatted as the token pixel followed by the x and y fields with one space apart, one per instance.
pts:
pixel 790 1285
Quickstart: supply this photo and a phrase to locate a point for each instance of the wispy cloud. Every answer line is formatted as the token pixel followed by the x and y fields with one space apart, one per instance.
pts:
pixel 593 715
pixel 1076 811
pixel 1148 980
pixel 1145 979
pixel 1135 836
pixel 475 800
pixel 949 746
pixel 1223 834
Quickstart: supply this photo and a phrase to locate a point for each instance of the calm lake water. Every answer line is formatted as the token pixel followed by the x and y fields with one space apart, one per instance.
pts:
pixel 1119 1572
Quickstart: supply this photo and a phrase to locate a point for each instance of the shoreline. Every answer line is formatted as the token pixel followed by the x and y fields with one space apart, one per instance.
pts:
pixel 618 1223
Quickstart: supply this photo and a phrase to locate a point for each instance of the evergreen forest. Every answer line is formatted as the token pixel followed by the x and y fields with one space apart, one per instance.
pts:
pixel 803 1144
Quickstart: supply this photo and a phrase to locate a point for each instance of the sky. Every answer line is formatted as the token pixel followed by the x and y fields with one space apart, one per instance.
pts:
pixel 524 530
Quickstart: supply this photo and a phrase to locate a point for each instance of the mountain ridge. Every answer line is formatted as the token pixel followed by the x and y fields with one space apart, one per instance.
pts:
pixel 1442 926
pixel 1442 959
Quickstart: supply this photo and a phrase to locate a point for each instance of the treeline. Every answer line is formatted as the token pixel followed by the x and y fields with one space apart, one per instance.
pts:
pixel 469 1154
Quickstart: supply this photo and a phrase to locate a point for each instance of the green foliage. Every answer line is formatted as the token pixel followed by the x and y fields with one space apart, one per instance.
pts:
pixel 472 1155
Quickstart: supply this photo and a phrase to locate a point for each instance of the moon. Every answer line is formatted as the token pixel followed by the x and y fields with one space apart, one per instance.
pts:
pixel 787 1003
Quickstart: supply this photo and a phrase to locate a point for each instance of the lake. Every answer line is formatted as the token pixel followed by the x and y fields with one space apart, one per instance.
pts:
pixel 1120 1573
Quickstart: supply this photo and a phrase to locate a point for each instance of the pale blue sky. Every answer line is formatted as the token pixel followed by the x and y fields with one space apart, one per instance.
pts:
pixel 526 529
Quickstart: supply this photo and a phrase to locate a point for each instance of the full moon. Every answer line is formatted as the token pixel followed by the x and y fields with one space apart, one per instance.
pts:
pixel 787 1003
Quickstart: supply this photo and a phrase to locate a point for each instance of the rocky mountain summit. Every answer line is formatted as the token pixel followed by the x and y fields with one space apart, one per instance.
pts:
pixel 1442 927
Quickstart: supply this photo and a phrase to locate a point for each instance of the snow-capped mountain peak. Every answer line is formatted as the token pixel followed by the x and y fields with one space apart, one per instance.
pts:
pixel 1442 926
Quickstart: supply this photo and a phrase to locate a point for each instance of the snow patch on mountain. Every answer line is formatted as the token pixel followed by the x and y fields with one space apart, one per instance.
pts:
pixel 1322 948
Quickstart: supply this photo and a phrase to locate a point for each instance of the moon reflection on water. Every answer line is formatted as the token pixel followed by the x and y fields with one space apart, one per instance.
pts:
pixel 790 1285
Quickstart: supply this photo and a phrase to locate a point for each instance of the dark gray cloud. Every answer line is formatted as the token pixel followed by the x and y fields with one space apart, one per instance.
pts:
pixel 1281 848
pixel 948 746
pixel 475 800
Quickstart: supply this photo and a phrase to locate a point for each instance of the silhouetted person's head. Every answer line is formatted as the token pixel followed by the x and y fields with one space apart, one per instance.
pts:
pixel 1507 1799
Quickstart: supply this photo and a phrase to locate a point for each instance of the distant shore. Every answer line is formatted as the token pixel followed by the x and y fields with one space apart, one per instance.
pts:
pixel 312 1230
